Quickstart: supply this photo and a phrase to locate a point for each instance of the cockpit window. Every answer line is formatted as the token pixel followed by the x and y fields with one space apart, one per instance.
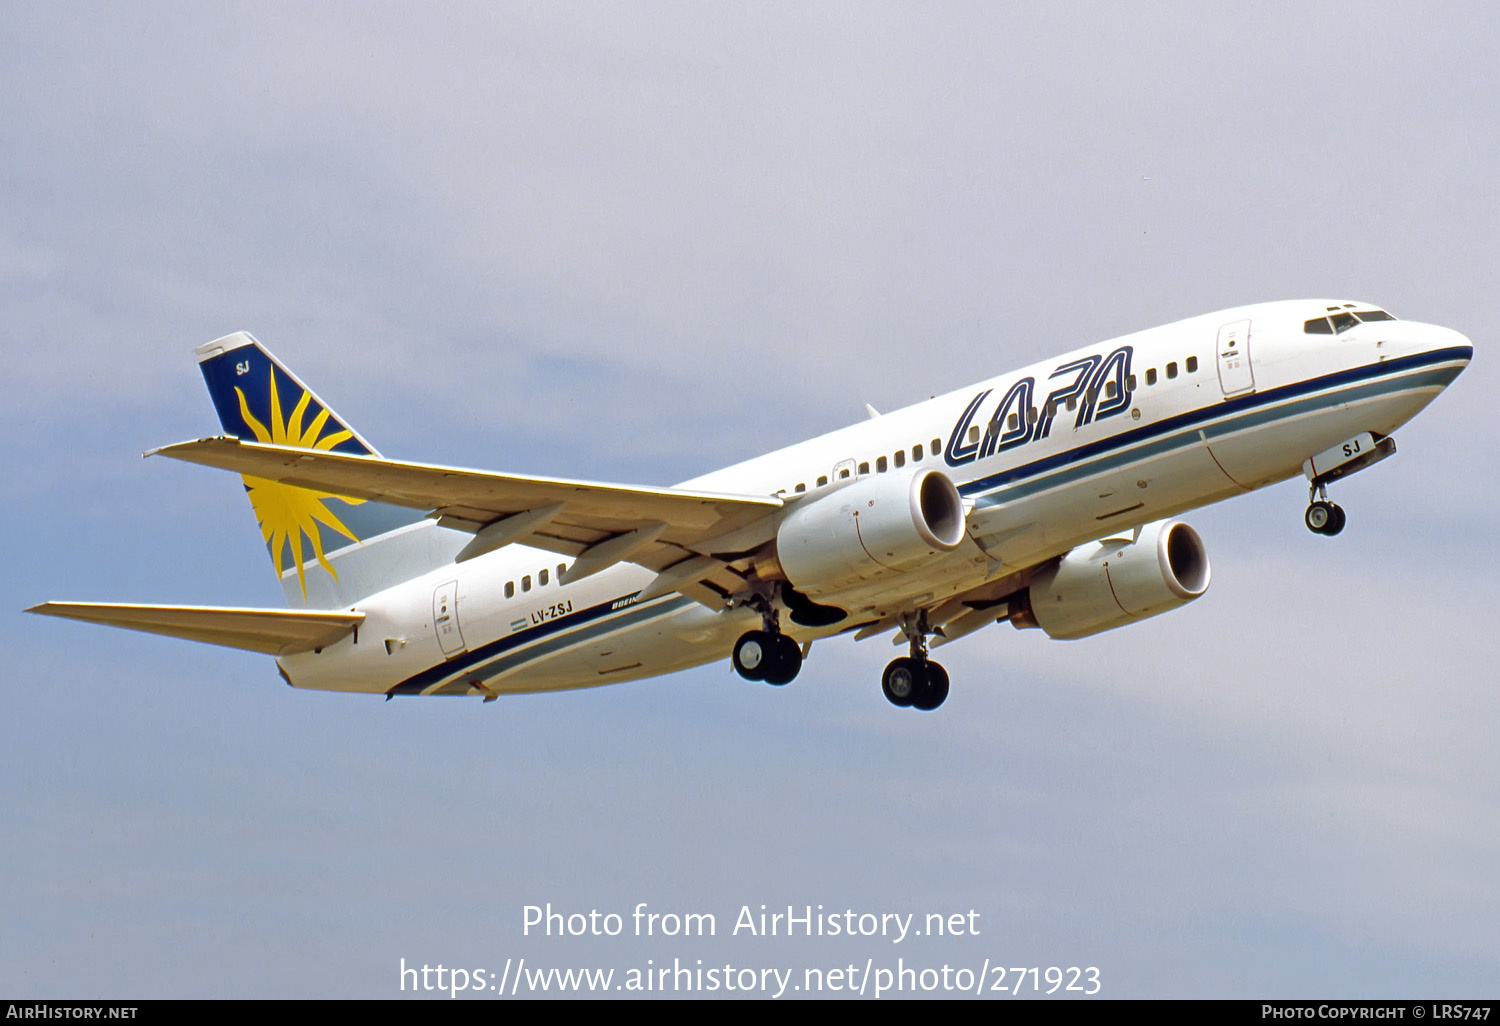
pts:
pixel 1339 321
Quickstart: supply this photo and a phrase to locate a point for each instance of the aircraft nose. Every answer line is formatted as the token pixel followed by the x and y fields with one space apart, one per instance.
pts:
pixel 1434 340
pixel 1445 348
pixel 1459 342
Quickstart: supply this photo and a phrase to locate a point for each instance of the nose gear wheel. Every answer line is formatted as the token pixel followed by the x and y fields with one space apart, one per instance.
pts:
pixel 1323 517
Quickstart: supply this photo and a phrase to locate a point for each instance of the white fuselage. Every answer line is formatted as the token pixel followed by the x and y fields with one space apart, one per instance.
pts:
pixel 1201 409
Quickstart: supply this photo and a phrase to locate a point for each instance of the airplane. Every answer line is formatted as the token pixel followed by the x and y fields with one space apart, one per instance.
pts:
pixel 1046 498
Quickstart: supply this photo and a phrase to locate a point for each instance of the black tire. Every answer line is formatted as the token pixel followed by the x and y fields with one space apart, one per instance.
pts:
pixel 900 681
pixel 1340 518
pixel 751 654
pixel 783 661
pixel 933 688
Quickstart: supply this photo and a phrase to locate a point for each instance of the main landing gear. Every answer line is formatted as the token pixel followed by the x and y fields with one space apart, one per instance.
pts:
pixel 1322 516
pixel 762 655
pixel 771 656
pixel 767 654
pixel 915 680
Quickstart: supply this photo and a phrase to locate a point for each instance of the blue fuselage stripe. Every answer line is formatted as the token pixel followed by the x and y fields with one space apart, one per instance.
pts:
pixel 563 632
pixel 1236 413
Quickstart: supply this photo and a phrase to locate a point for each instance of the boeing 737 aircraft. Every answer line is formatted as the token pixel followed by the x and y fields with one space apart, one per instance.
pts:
pixel 1043 497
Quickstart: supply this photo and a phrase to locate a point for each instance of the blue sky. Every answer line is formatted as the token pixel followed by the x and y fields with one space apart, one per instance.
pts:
pixel 639 243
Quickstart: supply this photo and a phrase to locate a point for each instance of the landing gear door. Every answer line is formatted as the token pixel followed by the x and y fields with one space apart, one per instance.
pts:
pixel 445 619
pixel 1235 375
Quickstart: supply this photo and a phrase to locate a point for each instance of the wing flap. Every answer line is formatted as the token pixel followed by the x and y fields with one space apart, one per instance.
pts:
pixel 273 631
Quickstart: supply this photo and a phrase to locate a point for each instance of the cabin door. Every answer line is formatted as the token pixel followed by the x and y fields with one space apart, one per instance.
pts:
pixel 1235 375
pixel 445 619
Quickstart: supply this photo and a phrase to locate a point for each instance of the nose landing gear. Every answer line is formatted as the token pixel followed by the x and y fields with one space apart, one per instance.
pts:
pixel 1349 457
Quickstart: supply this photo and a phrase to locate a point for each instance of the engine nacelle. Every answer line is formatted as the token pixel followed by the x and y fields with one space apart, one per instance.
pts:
pixel 874 528
pixel 1116 581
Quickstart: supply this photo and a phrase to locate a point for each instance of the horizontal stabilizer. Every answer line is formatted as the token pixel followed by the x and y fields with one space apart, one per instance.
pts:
pixel 273 631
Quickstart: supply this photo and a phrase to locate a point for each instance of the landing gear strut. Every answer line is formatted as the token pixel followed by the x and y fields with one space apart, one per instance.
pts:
pixel 1323 517
pixel 915 680
pixel 767 654
pixel 1335 463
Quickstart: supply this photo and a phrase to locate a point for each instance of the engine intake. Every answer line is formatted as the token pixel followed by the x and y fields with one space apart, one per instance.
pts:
pixel 878 526
pixel 1110 583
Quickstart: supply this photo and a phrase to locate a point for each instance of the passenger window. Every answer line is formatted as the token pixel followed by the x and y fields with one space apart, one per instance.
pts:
pixel 864 468
pixel 1171 370
pixel 1092 395
pixel 510 589
pixel 560 568
pixel 900 458
pixel 1130 383
pixel 1051 408
pixel 541 578
pixel 1110 389
pixel 916 453
pixel 1072 403
pixel 880 465
pixel 1192 365
pixel 526 583
pixel 1031 415
pixel 1013 423
pixel 1151 376
pixel 973 435
pixel 937 446
pixel 822 480
pixel 801 486
pixel 843 473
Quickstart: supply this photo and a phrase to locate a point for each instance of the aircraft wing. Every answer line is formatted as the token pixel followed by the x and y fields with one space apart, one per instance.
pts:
pixel 600 524
pixel 274 631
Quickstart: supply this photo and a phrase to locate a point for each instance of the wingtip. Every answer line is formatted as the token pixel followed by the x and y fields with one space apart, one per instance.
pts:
pixel 173 448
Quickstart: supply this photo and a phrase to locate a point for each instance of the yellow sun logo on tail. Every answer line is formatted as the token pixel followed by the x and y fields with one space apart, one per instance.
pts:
pixel 287 514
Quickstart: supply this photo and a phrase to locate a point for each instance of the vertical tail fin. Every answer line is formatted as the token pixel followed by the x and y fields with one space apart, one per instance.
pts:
pixel 328 550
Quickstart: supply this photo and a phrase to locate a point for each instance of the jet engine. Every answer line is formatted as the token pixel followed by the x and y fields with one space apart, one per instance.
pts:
pixel 876 527
pixel 1116 581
